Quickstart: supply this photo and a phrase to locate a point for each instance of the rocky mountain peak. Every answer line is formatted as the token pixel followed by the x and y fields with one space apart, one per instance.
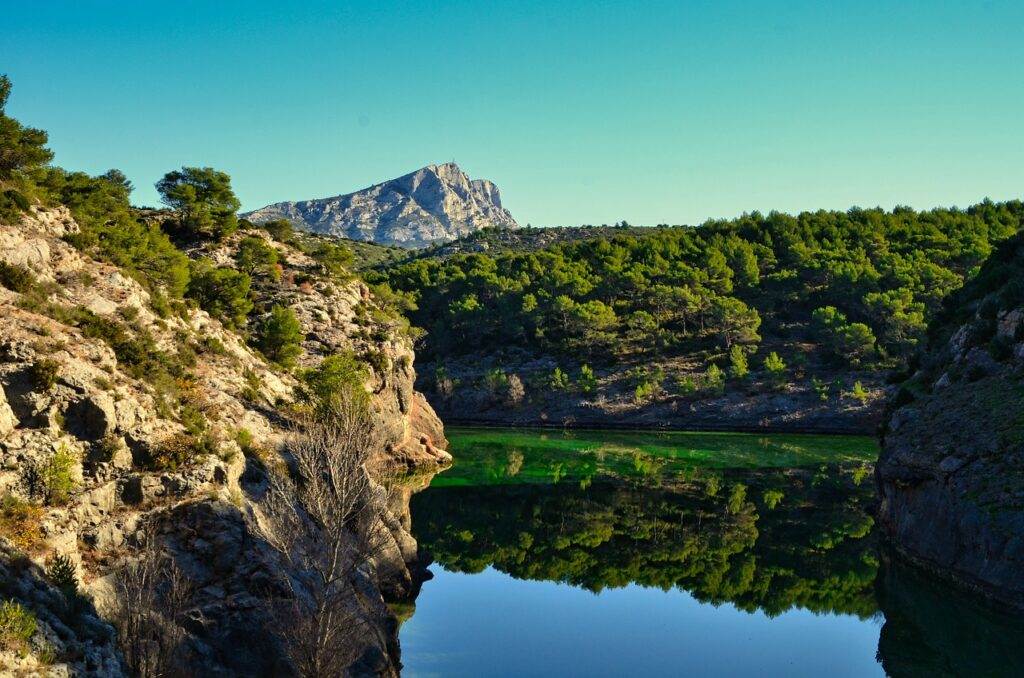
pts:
pixel 437 203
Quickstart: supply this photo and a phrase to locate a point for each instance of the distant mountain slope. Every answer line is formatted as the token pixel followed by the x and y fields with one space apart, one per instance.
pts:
pixel 435 204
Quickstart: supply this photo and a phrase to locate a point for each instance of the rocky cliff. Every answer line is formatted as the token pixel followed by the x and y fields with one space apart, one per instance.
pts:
pixel 141 441
pixel 438 203
pixel 951 472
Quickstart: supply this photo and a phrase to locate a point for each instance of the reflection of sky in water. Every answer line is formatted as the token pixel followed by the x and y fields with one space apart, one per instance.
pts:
pixel 655 522
pixel 490 624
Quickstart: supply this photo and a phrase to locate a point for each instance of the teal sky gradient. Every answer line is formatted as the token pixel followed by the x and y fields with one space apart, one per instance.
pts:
pixel 581 112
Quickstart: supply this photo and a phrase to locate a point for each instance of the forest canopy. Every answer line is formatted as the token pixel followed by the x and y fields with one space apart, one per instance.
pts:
pixel 860 284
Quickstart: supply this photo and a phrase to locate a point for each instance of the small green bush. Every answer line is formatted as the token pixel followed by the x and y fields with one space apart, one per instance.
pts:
pixel 20 522
pixel 559 380
pixel 775 367
pixel 16 278
pixel 279 336
pixel 337 376
pixel 174 452
pixel 771 498
pixel 61 573
pixel 279 229
pixel 17 626
pixel 714 380
pixel 495 382
pixel 738 367
pixel 245 439
pixel 859 393
pixel 821 388
pixel 686 384
pixel 57 479
pixel 45 373
pixel 644 392
pixel 253 386
pixel 586 380
pixel 222 292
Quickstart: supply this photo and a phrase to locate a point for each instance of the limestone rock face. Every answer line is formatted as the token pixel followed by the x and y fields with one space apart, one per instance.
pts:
pixel 66 391
pixel 951 472
pixel 438 203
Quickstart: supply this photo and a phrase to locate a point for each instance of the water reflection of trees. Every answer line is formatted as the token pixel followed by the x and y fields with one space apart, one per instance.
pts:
pixel 763 540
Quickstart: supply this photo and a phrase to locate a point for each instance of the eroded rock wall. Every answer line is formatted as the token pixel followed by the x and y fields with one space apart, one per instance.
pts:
pixel 951 472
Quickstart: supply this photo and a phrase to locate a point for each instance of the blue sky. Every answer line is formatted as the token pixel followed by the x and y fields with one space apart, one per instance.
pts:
pixel 581 112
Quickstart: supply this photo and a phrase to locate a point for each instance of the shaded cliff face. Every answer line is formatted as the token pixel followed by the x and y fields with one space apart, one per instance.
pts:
pixel 438 203
pixel 141 416
pixel 951 472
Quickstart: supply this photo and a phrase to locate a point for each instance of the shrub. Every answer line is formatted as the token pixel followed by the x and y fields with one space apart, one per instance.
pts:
pixel 245 439
pixel 16 278
pixel 686 384
pixel 61 573
pixel 279 229
pixel 214 346
pixel 222 292
pixel 253 386
pixel 775 367
pixel 644 392
pixel 495 381
pixel 771 498
pixel 337 376
pixel 20 522
pixel 647 383
pixel 821 388
pixel 444 385
pixel 586 380
pixel 559 380
pixel 57 479
pixel 738 367
pixel 256 257
pixel 280 336
pixel 859 393
pixel 45 373
pixel 378 360
pixel 172 453
pixel 714 379
pixel 515 391
pixel 17 626
pixel 335 258
pixel 32 479
pixel 105 449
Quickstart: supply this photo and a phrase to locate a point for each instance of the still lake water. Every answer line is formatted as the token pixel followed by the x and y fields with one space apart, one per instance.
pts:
pixel 589 553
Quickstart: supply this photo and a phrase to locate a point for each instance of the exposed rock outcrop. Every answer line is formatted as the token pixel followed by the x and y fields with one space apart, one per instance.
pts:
pixel 438 203
pixel 174 462
pixel 951 472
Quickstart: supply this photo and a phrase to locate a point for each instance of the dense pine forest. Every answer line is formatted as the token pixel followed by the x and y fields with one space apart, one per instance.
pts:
pixel 850 290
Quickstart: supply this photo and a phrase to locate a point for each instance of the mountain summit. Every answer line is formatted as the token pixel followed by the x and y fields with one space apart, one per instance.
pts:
pixel 435 204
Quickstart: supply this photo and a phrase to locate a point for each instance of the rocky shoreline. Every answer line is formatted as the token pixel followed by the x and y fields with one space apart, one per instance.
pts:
pixel 792 412
pixel 951 471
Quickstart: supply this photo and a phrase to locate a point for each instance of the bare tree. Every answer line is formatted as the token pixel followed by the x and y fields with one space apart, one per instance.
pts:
pixel 324 523
pixel 152 595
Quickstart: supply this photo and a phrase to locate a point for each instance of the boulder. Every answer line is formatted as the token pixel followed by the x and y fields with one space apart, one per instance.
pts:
pixel 8 422
pixel 91 418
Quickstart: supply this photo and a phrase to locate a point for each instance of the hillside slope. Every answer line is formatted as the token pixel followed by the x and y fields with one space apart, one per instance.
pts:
pixel 133 435
pixel 766 321
pixel 434 204
pixel 951 472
